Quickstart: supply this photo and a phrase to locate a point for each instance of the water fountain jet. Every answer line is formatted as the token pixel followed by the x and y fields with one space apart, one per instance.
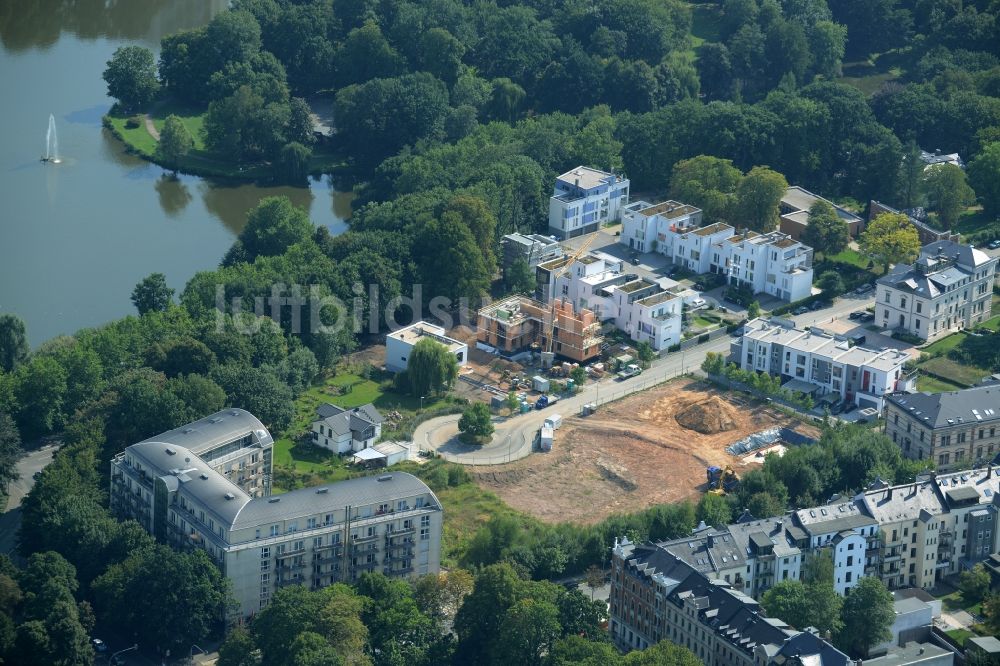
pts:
pixel 51 143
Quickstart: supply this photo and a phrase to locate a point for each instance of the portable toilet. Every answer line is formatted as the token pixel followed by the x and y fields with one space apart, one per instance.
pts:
pixel 525 407
pixel 553 421
pixel 545 440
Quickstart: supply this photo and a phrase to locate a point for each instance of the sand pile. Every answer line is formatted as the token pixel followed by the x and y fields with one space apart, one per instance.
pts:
pixel 708 417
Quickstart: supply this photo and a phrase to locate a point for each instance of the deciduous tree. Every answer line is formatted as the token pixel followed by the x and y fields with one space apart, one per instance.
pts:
pixel 13 342
pixel 984 177
pixel 131 76
pixel 948 192
pixel 826 232
pixel 475 421
pixel 890 239
pixel 431 368
pixel 758 196
pixel 152 294
pixel 175 142
pixel 866 616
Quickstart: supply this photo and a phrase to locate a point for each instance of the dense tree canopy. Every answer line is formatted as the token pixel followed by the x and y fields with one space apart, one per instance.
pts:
pixel 131 77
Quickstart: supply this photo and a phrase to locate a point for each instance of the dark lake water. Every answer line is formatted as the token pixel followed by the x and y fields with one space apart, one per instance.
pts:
pixel 76 237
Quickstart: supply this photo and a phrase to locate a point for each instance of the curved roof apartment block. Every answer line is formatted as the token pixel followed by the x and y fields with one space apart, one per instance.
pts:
pixel 207 485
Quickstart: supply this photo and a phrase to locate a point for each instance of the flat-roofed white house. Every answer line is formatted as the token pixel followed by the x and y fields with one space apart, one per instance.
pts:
pixel 399 344
pixel 346 430
pixel 583 199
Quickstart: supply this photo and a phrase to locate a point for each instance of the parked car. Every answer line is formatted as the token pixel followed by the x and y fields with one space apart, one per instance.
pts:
pixel 698 286
pixel 630 370
pixel 857 315
pixel 98 645
pixel 995 245
pixel 864 289
pixel 634 258
pixel 819 305
pixel 800 310
pixel 697 303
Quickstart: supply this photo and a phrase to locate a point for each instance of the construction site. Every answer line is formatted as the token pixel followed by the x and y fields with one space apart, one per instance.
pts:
pixel 650 448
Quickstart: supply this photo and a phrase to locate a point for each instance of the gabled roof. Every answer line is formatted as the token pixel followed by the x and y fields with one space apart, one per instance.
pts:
pixel 342 421
pixel 971 406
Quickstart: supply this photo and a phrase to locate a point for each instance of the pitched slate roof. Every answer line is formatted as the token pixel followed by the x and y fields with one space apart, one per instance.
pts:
pixel 971 406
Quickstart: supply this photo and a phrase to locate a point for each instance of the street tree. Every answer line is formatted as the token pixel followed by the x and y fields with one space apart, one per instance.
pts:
pixel 13 342
pixel 645 353
pixel 175 142
pixel 431 368
pixel 984 177
pixel 758 196
pixel 152 294
pixel 826 232
pixel 753 310
pixel 475 422
pixel 948 192
pixel 579 376
pixel 890 239
pixel 10 450
pixel 866 617
pixel 131 77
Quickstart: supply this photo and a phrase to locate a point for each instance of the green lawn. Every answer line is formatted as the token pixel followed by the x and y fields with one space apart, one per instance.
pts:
pixel 991 324
pixel 960 635
pixel 973 220
pixel 852 257
pixel 200 161
pixel 935 385
pixel 958 373
pixel 945 344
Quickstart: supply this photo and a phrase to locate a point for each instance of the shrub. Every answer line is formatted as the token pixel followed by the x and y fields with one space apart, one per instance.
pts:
pixel 133 123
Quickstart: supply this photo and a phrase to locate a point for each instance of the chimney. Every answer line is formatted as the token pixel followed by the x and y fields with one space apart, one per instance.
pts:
pixel 710 540
pixel 888 493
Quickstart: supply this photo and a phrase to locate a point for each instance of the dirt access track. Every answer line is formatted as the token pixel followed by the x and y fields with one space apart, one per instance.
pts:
pixel 633 454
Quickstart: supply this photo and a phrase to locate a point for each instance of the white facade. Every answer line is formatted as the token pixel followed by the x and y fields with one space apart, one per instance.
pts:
pixel 346 430
pixel 828 362
pixel 399 344
pixel 770 263
pixel 583 199
pixel 950 287
pixel 312 537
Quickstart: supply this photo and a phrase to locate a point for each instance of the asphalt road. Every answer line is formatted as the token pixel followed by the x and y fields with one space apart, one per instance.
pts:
pixel 10 521
pixel 515 436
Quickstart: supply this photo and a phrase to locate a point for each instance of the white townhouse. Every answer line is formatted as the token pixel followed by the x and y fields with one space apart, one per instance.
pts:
pixel 948 288
pixel 772 263
pixel 583 199
pixel 822 363
pixel 850 534
pixel 652 227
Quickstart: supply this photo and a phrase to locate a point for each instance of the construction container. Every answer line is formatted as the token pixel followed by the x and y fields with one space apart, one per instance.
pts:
pixel 553 421
pixel 540 384
pixel 545 438
pixel 570 384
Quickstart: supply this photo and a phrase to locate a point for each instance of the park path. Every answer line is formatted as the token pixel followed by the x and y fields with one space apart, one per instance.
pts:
pixel 150 127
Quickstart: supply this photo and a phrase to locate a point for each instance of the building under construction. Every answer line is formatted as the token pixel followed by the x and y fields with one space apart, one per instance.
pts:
pixel 519 323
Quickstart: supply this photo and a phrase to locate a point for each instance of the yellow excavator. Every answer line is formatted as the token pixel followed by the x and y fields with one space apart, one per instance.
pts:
pixel 722 480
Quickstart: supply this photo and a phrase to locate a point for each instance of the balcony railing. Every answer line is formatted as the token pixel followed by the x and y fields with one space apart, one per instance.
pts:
pixel 285 582
pixel 290 566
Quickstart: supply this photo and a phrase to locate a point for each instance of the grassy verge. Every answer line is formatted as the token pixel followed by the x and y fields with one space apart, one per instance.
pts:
pixel 960 635
pixel 946 344
pixel 935 384
pixel 200 161
pixel 852 257
pixel 955 372
pixel 991 324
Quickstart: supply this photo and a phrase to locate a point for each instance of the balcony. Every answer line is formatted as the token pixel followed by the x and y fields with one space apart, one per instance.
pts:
pixel 364 539
pixel 291 566
pixel 892 557
pixel 397 556
pixel 285 582
pixel 290 553
pixel 332 559
pixel 367 566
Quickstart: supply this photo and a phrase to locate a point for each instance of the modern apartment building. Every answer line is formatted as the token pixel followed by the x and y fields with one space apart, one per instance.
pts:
pixel 794 209
pixel 312 536
pixel 653 227
pixel 822 363
pixel 399 344
pixel 955 429
pixel 583 199
pixel 532 248
pixel 950 287
pixel 518 324
pixel 655 596
pixel 772 263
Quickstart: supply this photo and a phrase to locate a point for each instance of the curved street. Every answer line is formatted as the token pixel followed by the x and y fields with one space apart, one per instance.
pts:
pixel 515 436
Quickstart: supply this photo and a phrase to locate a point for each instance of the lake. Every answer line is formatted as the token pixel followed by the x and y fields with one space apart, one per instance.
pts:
pixel 76 237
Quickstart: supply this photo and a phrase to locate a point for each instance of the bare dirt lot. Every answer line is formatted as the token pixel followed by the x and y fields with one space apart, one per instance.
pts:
pixel 633 453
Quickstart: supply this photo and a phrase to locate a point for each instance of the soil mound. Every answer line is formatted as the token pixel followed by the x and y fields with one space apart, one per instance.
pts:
pixel 708 417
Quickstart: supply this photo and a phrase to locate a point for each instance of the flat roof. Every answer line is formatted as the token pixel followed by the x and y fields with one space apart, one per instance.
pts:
pixel 585 177
pixel 656 299
pixel 415 332
pixel 712 229
pixel 669 210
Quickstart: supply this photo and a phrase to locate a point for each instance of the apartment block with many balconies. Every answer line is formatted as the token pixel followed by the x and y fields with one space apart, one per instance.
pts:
pixel 311 536
pixel 583 199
